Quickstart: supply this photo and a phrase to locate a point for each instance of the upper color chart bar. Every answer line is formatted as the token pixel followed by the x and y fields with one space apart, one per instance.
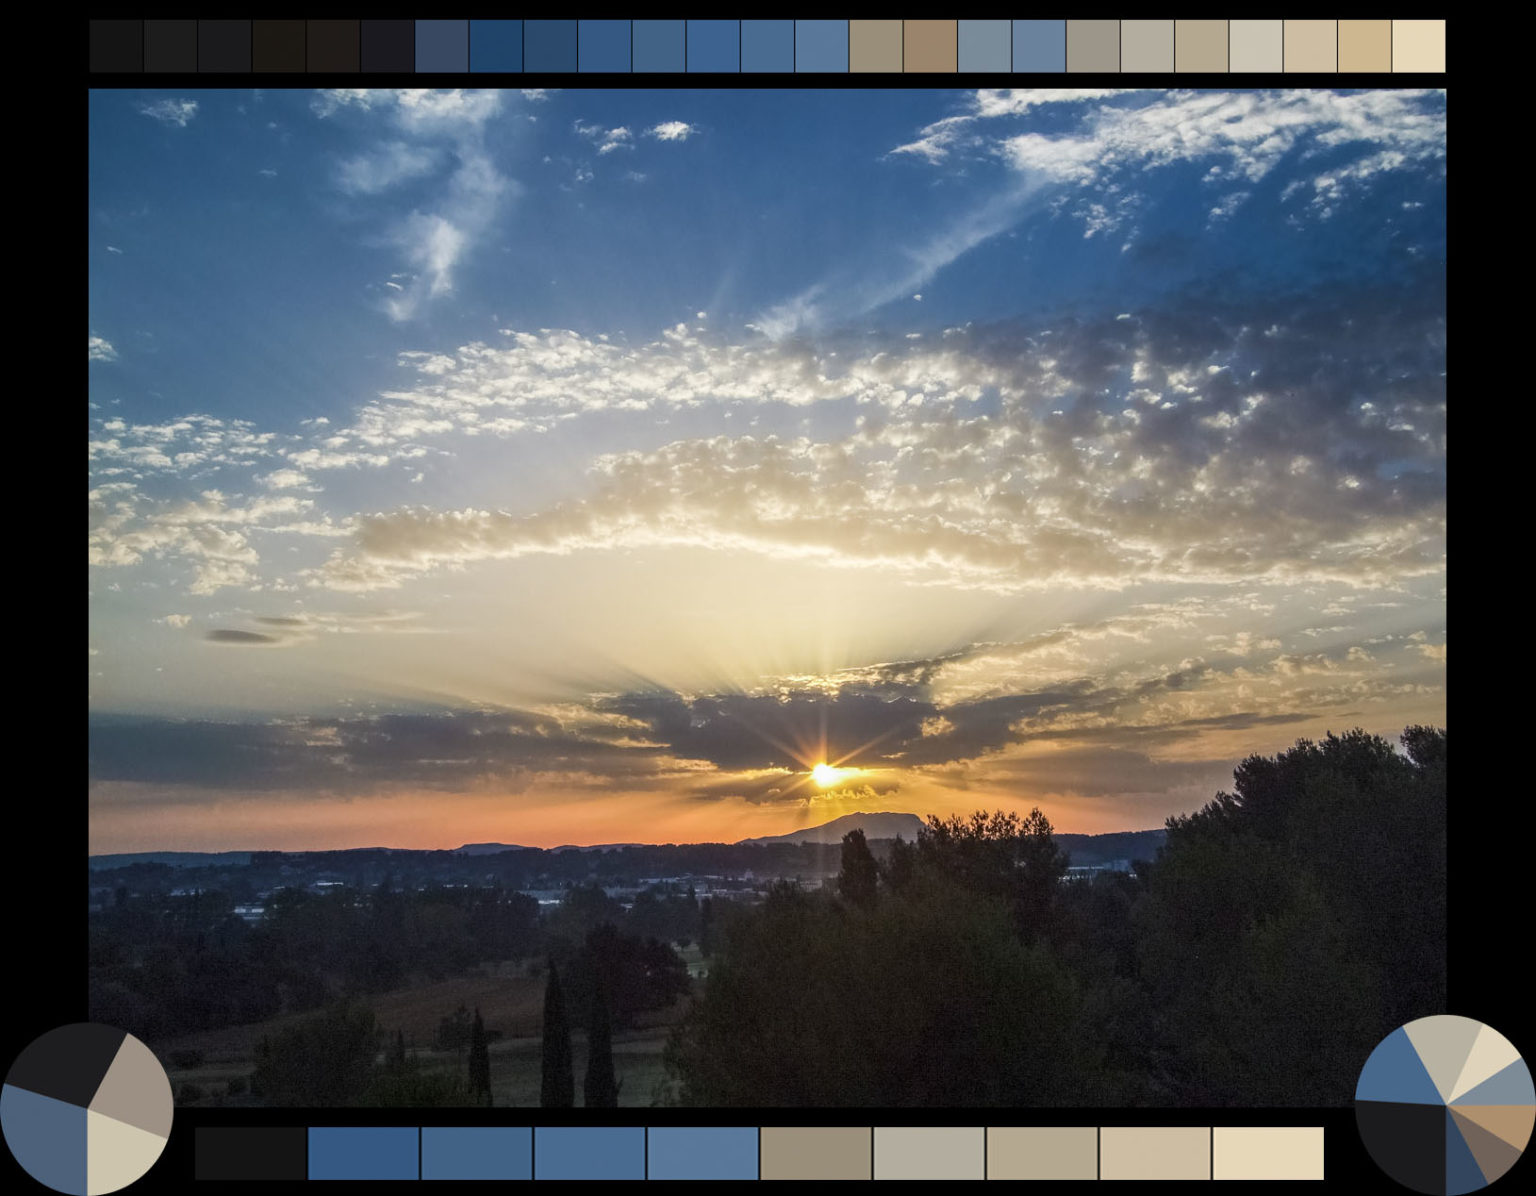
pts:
pixel 1039 47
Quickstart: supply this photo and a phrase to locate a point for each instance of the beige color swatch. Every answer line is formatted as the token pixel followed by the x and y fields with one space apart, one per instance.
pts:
pixel 1511 1123
pixel 874 46
pixel 135 1089
pixel 1256 45
pixel 1444 1043
pixel 1365 45
pixel 1418 45
pixel 1146 46
pixel 1043 1152
pixel 1491 1053
pixel 1200 46
pixel 1268 1152
pixel 930 1152
pixel 1311 46
pixel 931 46
pixel 1155 1152
pixel 116 1154
pixel 1093 45
pixel 815 1152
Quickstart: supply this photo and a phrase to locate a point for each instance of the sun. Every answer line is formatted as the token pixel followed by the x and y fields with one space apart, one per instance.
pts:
pixel 825 775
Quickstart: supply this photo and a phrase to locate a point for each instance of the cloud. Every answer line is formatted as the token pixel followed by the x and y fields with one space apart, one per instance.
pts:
pixel 170 112
pixel 1193 444
pixel 436 127
pixel 1101 153
pixel 100 349
pixel 386 167
pixel 606 140
pixel 225 636
pixel 175 620
pixel 672 130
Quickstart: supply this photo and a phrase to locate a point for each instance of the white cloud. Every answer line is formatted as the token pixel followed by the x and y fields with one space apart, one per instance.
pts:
pixel 175 620
pixel 385 167
pixel 437 126
pixel 672 130
pixel 100 349
pixel 170 112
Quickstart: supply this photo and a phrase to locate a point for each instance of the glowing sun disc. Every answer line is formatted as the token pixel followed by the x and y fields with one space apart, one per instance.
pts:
pixel 825 775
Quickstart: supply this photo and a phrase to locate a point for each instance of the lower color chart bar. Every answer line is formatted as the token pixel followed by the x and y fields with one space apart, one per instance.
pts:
pixel 371 1153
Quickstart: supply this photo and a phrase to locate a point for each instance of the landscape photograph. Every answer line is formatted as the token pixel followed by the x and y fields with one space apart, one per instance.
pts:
pixel 777 598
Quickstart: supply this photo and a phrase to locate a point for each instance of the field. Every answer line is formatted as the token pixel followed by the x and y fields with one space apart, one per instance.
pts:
pixel 511 1002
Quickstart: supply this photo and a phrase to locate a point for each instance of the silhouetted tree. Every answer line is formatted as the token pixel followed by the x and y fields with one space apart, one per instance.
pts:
pixel 559 1086
pixel 600 1090
pixel 479 1062
pixel 859 876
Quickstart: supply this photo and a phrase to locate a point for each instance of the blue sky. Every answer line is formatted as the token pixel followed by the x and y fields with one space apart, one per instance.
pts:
pixel 1015 439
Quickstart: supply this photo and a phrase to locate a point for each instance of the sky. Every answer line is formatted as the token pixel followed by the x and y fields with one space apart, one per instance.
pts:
pixel 570 466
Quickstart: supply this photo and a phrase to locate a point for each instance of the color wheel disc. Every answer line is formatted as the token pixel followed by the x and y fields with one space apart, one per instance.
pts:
pixel 1445 1105
pixel 86 1109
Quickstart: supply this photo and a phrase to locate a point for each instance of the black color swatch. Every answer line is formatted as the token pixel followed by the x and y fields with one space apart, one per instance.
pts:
pixel 67 1064
pixel 277 46
pixel 251 1152
pixel 224 46
pixel 1407 1141
pixel 389 46
pixel 170 47
pixel 117 46
pixel 332 46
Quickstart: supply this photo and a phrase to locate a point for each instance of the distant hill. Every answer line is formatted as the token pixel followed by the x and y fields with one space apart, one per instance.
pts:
pixel 1085 850
pixel 176 859
pixel 875 826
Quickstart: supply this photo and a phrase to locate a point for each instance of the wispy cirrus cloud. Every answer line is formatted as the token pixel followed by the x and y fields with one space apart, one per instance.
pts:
pixel 436 127
pixel 178 113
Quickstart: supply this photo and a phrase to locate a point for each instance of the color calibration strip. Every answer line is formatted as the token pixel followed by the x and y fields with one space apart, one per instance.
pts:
pixel 782 47
pixel 767 1152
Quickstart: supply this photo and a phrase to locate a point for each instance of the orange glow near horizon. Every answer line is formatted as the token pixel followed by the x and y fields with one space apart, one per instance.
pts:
pixel 430 821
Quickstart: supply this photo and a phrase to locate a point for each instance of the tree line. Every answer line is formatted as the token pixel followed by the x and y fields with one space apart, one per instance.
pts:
pixel 1283 930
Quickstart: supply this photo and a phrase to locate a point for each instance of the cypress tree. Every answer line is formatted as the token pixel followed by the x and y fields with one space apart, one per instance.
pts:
pixel 479 1062
pixel 559 1087
pixel 600 1090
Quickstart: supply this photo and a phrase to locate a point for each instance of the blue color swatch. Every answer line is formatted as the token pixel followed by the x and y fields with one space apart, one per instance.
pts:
pixel 767 46
pixel 1394 1072
pixel 476 1152
pixel 364 1152
pixel 442 46
pixel 495 45
pixel 549 46
pixel 821 46
pixel 713 1152
pixel 985 46
pixel 1462 1174
pixel 1040 45
pixel 47 1137
pixel 604 46
pixel 714 46
pixel 589 1152
pixel 659 45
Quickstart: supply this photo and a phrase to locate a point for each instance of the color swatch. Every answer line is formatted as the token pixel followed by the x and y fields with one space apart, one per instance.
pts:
pixel 1445 1105
pixel 86 1109
pixel 768 47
